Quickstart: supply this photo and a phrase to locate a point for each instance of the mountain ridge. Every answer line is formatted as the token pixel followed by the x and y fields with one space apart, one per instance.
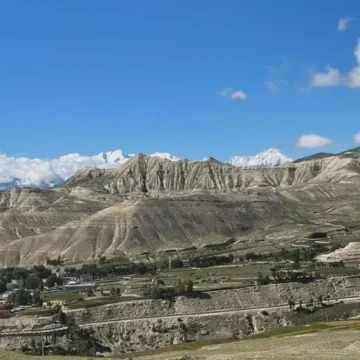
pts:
pixel 149 204
pixel 19 172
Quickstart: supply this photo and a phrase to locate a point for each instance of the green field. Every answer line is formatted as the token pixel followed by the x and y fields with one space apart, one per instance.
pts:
pixel 65 296
pixel 217 276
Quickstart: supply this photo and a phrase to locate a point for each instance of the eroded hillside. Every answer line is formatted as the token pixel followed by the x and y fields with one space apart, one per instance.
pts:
pixel 150 204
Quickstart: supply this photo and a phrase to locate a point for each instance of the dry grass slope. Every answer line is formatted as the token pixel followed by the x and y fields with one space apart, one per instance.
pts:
pixel 339 340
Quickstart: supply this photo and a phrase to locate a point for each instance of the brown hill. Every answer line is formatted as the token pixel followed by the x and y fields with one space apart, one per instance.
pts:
pixel 152 204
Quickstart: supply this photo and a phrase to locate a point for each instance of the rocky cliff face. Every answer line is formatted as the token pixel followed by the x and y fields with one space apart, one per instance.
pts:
pixel 151 204
pixel 140 325
pixel 143 174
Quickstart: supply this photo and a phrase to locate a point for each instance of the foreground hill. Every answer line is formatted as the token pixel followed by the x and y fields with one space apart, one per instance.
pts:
pixel 340 341
pixel 151 204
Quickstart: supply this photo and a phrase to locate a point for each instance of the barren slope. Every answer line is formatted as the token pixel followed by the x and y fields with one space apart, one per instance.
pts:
pixel 151 204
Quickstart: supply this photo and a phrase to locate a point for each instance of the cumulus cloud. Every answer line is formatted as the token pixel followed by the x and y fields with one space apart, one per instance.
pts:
pixel 233 94
pixel 239 94
pixel 333 77
pixel 312 141
pixel 354 74
pixel 356 138
pixel 344 23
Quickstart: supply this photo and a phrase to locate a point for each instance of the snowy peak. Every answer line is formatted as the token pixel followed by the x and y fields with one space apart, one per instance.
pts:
pixel 21 171
pixel 270 157
pixel 113 157
pixel 167 156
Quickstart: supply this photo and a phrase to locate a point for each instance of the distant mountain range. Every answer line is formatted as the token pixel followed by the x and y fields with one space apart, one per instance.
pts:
pixel 22 171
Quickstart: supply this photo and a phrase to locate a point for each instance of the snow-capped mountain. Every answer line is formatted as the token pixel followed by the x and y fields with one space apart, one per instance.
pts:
pixel 270 157
pixel 166 156
pixel 22 171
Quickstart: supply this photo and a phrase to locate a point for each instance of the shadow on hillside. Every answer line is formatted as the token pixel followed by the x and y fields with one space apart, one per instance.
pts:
pixel 198 295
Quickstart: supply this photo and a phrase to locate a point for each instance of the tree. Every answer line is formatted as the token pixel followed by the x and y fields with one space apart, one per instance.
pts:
pixel 291 302
pixel 2 287
pixel 61 317
pixel 90 293
pixel 41 271
pixel 179 286
pixel 189 285
pixel 160 282
pixel 176 263
pixel 53 280
pixel 41 285
pixel 33 283
pixel 21 297
pixel 263 280
pixel 36 299
pixel 156 292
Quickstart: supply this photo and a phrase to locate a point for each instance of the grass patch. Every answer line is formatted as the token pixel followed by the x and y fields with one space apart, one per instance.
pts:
pixel 329 313
pixel 340 271
pixel 99 301
pixel 39 311
pixel 66 296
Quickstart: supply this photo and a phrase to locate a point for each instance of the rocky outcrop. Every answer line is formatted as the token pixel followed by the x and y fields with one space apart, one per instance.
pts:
pixel 350 252
pixel 222 300
pixel 144 174
pixel 150 334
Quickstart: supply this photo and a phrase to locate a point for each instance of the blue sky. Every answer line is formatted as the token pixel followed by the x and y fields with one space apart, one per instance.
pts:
pixel 145 76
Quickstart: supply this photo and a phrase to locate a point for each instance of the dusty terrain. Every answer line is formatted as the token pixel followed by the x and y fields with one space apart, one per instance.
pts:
pixel 321 345
pixel 349 252
pixel 149 205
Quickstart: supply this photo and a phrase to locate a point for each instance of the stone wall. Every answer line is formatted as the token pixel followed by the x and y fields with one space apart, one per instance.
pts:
pixel 140 325
pixel 253 297
pixel 123 310
pixel 22 323
pixel 148 334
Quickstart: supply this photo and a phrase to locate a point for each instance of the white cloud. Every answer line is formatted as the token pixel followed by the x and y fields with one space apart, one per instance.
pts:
pixel 356 138
pixel 333 77
pixel 239 94
pixel 233 94
pixel 271 85
pixel 276 75
pixel 354 74
pixel 23 171
pixel 344 23
pixel 225 92
pixel 312 141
